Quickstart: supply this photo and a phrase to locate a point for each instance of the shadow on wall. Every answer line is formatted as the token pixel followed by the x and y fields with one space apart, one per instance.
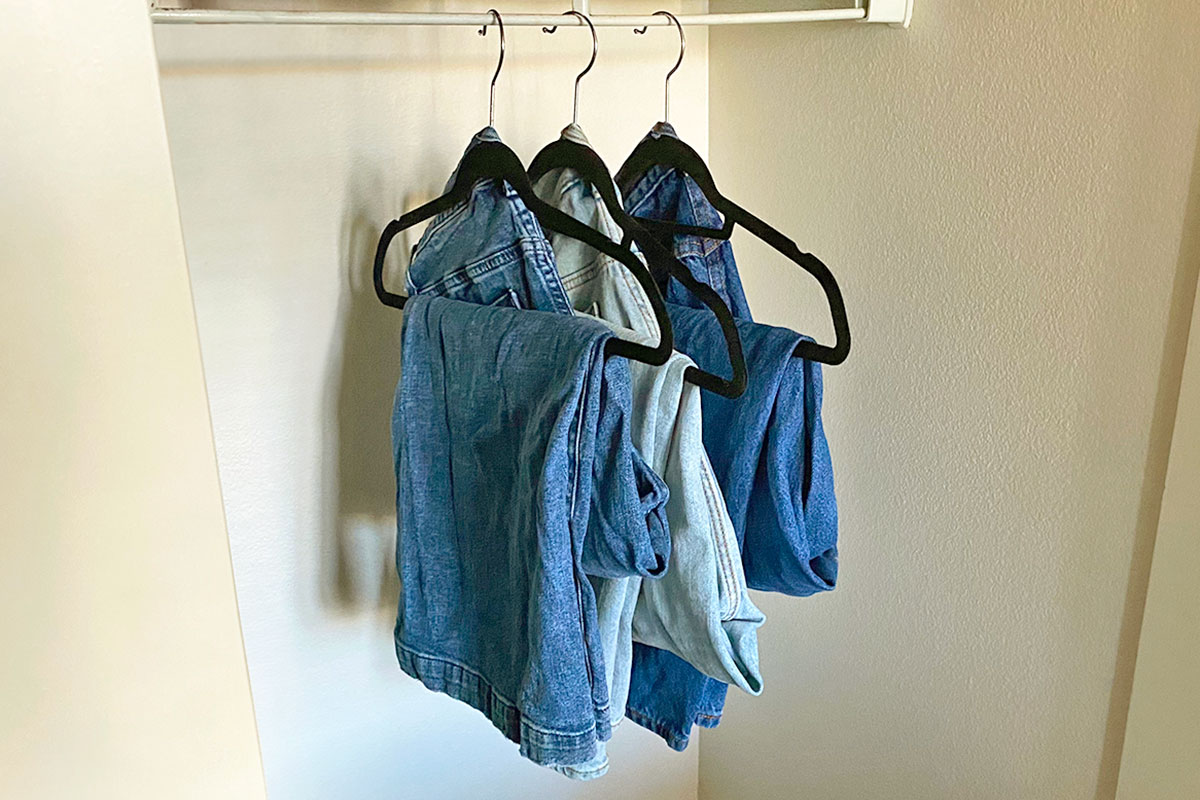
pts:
pixel 1162 429
pixel 358 572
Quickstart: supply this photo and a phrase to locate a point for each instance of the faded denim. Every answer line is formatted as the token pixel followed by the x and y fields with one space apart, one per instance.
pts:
pixel 770 455
pixel 490 250
pixel 700 608
pixel 500 418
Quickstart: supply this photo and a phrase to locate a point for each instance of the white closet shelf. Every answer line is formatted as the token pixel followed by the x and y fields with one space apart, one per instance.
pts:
pixel 892 12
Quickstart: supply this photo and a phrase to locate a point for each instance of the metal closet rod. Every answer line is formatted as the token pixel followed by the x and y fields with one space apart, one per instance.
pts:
pixel 166 16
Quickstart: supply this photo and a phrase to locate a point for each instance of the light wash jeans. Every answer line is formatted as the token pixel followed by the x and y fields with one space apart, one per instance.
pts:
pixel 699 609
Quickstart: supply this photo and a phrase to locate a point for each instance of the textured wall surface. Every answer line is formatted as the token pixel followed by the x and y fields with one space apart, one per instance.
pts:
pixel 292 148
pixel 1002 191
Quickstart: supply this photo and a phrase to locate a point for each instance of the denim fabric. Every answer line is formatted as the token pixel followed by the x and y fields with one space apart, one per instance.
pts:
pixel 768 449
pixel 700 608
pixel 665 194
pixel 489 250
pixel 770 455
pixel 499 419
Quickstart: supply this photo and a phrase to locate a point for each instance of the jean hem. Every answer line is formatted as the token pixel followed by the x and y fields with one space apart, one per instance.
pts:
pixel 538 743
pixel 577 774
pixel 671 734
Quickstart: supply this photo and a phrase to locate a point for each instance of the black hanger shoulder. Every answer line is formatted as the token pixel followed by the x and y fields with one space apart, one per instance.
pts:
pixel 670 151
pixel 588 165
pixel 495 160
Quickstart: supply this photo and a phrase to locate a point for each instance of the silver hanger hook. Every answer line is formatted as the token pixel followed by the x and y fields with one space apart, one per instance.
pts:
pixel 588 68
pixel 492 92
pixel 678 61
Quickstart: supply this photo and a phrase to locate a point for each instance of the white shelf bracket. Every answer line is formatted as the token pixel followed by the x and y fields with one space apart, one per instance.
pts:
pixel 893 12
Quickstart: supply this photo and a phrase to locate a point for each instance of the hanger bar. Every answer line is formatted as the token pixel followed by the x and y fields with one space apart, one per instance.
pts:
pixel 167 16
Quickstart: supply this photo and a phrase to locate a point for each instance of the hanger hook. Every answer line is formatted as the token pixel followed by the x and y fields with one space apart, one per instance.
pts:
pixel 678 61
pixel 492 92
pixel 588 68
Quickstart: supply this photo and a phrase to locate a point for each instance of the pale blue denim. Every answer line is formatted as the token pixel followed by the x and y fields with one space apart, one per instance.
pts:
pixel 768 449
pixel 770 455
pixel 700 608
pixel 500 419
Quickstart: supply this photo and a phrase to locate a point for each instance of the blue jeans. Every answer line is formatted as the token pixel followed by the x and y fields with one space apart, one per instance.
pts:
pixel 664 194
pixel 700 609
pixel 511 434
pixel 770 456
pixel 768 449
pixel 490 250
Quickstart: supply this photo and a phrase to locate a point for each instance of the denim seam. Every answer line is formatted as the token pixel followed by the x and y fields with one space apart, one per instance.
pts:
pixel 649 191
pixel 695 198
pixel 472 271
pixel 440 224
pixel 639 298
pixel 587 275
pixel 584 275
pixel 526 222
pixel 574 773
pixel 576 472
pixel 724 557
pixel 604 710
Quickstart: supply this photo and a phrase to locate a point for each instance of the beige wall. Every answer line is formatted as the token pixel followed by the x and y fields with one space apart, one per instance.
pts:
pixel 1002 191
pixel 292 148
pixel 122 674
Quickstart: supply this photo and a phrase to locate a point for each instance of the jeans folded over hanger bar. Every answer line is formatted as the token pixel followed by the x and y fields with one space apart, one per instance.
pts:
pixel 511 439
pixel 767 448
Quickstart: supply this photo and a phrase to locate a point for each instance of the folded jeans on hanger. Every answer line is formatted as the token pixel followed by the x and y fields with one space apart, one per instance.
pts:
pixel 699 609
pixel 771 458
pixel 768 448
pixel 499 419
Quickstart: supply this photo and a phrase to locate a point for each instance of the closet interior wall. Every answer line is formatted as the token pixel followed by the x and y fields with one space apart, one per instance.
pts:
pixel 1007 194
pixel 291 148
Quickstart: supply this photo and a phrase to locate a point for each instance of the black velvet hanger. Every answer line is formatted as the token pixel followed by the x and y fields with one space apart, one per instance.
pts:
pixel 590 167
pixel 668 151
pixel 497 161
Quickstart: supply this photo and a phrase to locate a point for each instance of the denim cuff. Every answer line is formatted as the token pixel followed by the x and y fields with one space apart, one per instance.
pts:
pixel 595 768
pixel 540 745
pixel 671 734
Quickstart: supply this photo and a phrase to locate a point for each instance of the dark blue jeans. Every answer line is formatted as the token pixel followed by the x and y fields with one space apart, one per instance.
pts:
pixel 767 448
pixel 770 456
